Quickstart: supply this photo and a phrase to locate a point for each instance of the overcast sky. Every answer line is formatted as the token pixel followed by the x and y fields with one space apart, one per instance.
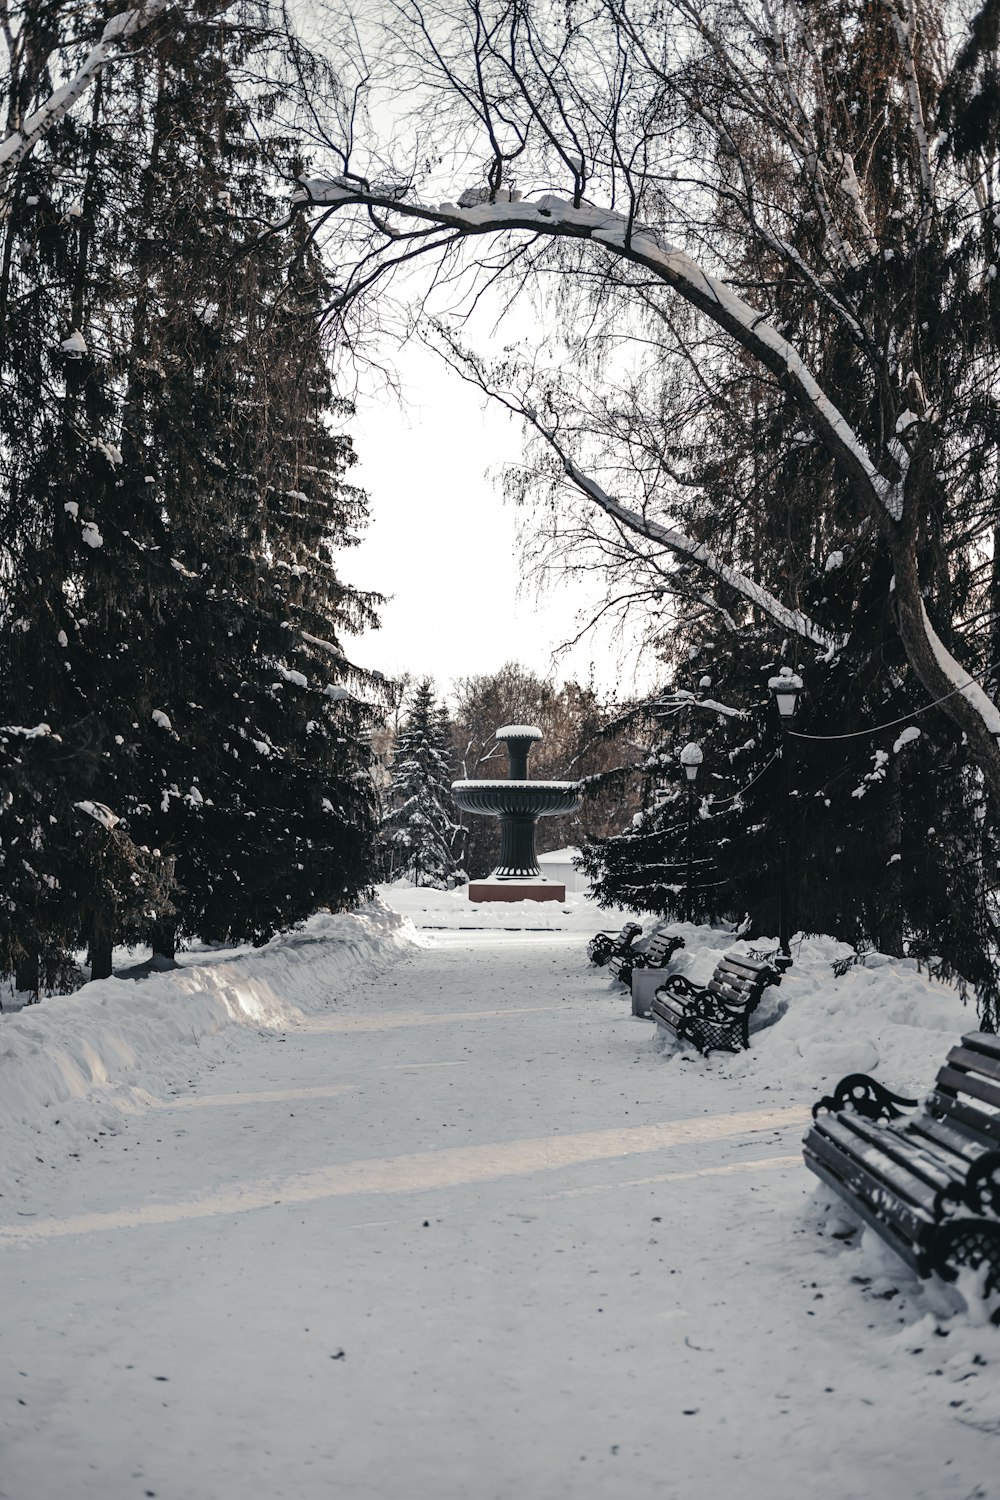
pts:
pixel 442 543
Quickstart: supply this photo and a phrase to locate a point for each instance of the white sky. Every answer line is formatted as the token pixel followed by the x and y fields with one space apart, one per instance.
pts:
pixel 442 543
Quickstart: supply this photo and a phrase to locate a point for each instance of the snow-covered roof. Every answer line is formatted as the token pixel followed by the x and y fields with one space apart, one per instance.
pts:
pixel 559 856
pixel 519 731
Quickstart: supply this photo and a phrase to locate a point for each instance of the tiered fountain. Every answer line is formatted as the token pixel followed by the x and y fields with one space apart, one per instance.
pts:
pixel 518 803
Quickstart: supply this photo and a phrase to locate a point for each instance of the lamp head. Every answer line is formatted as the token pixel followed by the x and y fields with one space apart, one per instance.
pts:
pixel 786 688
pixel 691 759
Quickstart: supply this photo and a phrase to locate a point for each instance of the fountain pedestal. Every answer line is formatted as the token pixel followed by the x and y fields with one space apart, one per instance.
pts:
pixel 495 890
pixel 518 803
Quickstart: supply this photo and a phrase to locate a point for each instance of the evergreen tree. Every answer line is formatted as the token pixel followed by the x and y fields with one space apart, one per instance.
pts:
pixel 420 829
pixel 174 498
pixel 270 745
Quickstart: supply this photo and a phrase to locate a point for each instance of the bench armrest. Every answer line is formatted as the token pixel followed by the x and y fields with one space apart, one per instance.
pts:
pixel 680 985
pixel 865 1096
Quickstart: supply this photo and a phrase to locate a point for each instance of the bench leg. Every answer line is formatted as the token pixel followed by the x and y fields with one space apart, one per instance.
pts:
pixel 971 1244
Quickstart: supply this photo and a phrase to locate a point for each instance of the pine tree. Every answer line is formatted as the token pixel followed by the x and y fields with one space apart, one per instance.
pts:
pixel 420 829
pixel 270 726
pixel 72 879
pixel 175 495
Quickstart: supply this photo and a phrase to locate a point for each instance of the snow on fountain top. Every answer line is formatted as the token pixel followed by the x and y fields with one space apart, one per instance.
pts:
pixel 519 731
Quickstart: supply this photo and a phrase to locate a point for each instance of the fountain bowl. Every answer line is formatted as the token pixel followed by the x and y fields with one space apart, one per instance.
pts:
pixel 545 799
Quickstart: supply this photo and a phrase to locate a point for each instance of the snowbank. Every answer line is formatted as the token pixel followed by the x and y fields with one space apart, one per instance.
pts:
pixel 81 1061
pixel 884 1017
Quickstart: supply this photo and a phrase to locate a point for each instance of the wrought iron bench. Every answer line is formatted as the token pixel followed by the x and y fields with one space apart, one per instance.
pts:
pixel 715 1018
pixel 602 948
pixel 928 1182
pixel 650 963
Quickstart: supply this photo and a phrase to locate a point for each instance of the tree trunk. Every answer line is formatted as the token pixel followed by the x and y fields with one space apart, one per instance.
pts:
pixel 163 940
pixel 889 917
pixel 963 708
pixel 101 939
pixel 26 973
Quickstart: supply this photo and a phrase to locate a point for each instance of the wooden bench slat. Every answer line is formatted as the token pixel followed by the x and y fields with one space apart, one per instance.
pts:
pixel 661 1006
pixel 982 1041
pixel 885 1163
pixel 745 968
pixel 910 1218
pixel 951 1081
pixel 967 1115
pixel 979 1064
pixel 946 1136
pixel 937 1167
pixel 726 991
pixel 656 952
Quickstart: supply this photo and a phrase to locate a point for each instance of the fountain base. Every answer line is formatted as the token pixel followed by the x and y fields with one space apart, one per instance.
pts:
pixel 516 890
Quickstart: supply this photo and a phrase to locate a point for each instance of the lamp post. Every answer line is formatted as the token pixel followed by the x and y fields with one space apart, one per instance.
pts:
pixel 786 688
pixel 691 759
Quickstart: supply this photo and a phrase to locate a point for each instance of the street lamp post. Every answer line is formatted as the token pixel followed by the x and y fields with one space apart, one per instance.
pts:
pixel 786 688
pixel 691 759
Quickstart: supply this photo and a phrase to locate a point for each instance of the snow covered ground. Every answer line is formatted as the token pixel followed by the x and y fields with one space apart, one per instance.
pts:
pixel 379 1210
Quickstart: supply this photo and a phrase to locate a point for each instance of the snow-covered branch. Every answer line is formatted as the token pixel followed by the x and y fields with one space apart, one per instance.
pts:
pixel 685 546
pixel 960 679
pixel 644 246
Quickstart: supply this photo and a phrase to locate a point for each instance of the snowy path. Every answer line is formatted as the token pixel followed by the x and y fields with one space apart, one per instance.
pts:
pixel 465 1237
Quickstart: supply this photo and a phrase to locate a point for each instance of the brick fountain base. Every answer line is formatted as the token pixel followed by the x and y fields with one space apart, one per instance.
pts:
pixel 509 890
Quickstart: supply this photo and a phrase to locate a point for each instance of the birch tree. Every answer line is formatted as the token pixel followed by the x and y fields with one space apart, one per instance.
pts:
pixel 35 56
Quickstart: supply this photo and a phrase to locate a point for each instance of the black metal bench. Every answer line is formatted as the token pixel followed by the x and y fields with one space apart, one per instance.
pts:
pixel 928 1182
pixel 716 1017
pixel 655 956
pixel 602 948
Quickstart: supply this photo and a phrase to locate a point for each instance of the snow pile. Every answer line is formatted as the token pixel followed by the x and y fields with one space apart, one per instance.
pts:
pixel 79 1062
pixel 883 1016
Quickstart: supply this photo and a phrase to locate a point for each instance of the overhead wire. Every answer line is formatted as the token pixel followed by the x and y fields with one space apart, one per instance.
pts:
pixel 892 723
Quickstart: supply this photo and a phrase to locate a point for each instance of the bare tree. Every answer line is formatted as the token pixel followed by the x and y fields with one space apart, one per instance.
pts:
pixel 750 191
